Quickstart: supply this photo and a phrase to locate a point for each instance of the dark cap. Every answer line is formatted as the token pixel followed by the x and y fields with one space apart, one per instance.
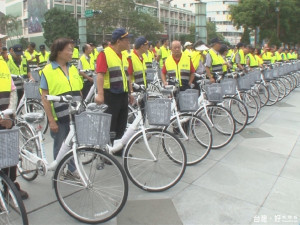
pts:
pixel 140 41
pixel 215 41
pixel 42 47
pixel 119 33
pixel 240 44
pixel 18 49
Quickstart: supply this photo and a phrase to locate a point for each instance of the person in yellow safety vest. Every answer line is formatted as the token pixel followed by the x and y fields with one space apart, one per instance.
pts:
pixel 266 55
pixel 188 48
pixel 295 54
pixel 257 54
pixel 223 53
pixel 156 49
pixel 229 54
pixel 43 56
pixel 137 66
pixel 198 57
pixel 18 65
pixel 75 54
pixel 179 66
pixel 240 59
pixel 289 55
pixel 277 55
pixel 94 54
pixel 234 52
pixel 8 100
pixel 214 61
pixel 59 77
pixel 31 55
pixel 86 62
pixel 114 89
pixel 283 54
pixel 148 56
pixel 251 60
pixel 163 52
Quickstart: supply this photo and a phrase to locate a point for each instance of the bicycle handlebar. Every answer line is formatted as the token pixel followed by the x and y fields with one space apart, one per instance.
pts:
pixel 66 98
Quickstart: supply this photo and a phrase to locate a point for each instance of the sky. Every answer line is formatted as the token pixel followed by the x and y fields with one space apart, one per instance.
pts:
pixel 2 4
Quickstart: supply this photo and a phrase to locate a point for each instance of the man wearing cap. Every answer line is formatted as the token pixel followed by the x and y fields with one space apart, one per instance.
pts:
pixel 163 52
pixel 114 88
pixel 137 66
pixel 18 65
pixel 32 55
pixel 179 66
pixel 43 56
pixel 188 48
pixel 86 62
pixel 8 100
pixel 213 61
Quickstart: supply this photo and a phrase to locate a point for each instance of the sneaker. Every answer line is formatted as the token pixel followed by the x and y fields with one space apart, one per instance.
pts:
pixel 24 194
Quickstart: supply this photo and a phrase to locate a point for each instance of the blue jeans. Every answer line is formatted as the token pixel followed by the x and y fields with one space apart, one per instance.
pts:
pixel 59 137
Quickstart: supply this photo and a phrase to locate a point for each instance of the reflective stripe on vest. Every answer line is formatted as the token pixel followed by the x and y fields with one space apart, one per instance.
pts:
pixel 5 85
pixel 148 59
pixel 217 61
pixel 267 57
pixel 139 70
pixel 182 70
pixel 58 84
pixel 115 78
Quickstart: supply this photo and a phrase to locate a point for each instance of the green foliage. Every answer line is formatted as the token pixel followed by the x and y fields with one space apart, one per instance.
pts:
pixel 59 23
pixel 123 13
pixel 246 36
pixel 212 31
pixel 263 14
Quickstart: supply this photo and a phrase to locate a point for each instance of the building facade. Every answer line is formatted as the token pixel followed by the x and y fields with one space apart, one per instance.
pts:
pixel 218 12
pixel 30 15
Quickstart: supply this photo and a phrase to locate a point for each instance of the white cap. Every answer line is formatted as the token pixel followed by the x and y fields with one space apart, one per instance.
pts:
pixel 187 43
pixel 201 48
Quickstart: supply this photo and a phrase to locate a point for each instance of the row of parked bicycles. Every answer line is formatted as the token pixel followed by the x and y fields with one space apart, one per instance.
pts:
pixel 167 130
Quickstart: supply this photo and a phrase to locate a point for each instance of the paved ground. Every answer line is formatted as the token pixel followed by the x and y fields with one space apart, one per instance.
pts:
pixel 253 180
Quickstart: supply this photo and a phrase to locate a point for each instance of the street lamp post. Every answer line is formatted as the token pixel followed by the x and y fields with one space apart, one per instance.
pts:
pixel 169 24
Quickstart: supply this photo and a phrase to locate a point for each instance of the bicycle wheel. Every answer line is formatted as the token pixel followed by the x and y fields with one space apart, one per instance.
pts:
pixel 12 209
pixel 251 105
pixel 220 122
pixel 106 192
pixel 238 111
pixel 263 94
pixel 281 89
pixel 287 85
pixel 26 168
pixel 36 107
pixel 199 141
pixel 256 98
pixel 273 93
pixel 159 173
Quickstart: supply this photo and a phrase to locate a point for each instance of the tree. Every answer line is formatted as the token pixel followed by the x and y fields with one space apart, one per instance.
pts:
pixel 263 14
pixel 11 26
pixel 123 13
pixel 212 31
pixel 59 23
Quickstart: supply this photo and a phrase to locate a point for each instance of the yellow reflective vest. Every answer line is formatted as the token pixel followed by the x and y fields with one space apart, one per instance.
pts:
pixel 164 53
pixel 5 85
pixel 115 78
pixel 139 70
pixel 60 84
pixel 217 61
pixel 253 60
pixel 148 58
pixel 181 71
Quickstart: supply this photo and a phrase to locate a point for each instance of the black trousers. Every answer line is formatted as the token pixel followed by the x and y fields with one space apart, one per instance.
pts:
pixel 118 108
pixel 86 88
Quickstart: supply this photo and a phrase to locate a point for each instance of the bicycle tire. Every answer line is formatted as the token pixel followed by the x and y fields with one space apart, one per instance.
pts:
pixel 273 93
pixel 281 89
pixel 12 208
pixel 92 204
pixel 251 105
pixel 33 106
pixel 287 84
pixel 263 94
pixel 161 169
pixel 27 169
pixel 239 113
pixel 198 145
pixel 256 98
pixel 221 134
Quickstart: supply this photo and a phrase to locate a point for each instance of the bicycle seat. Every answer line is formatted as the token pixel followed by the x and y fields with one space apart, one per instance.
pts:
pixel 33 117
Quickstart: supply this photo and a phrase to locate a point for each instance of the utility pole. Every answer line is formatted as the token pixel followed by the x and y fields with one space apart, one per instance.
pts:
pixel 169 24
